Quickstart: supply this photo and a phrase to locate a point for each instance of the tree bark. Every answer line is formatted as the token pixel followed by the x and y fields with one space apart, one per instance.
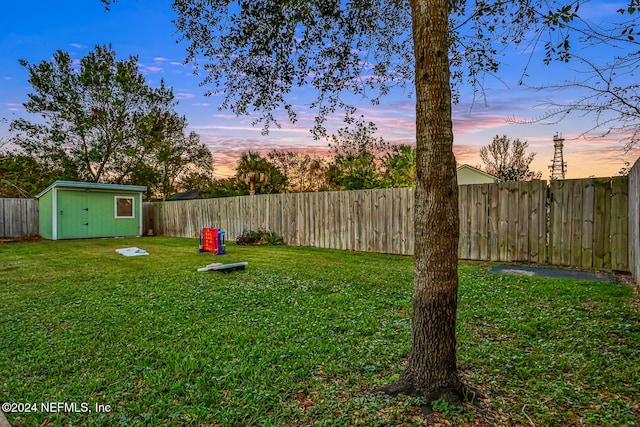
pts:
pixel 431 369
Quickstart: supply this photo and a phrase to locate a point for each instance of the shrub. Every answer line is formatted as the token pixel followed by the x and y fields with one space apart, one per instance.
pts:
pixel 259 237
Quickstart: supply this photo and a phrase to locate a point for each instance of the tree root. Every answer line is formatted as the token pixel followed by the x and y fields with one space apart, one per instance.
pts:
pixel 398 387
pixel 455 394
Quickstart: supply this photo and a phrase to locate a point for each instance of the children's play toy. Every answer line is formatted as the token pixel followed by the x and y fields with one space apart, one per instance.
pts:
pixel 225 268
pixel 212 240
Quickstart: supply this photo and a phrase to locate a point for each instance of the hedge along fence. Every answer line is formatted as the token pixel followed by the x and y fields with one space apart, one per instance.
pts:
pixel 18 218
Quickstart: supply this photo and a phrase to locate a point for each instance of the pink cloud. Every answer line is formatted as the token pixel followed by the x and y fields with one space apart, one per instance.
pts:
pixel 396 123
pixel 467 124
pixel 227 151
pixel 466 154
pixel 408 105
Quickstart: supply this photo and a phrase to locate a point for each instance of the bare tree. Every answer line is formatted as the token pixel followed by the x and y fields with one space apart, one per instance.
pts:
pixel 608 86
pixel 507 159
pixel 610 100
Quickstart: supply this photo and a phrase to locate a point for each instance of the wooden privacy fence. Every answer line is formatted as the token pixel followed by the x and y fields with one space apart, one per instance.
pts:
pixel 580 222
pixel 588 223
pixel 366 220
pixel 500 222
pixel 503 222
pixel 18 218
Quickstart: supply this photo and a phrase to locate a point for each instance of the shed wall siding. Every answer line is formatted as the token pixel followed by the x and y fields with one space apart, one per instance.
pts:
pixel 73 213
pixel 99 215
pixel 45 209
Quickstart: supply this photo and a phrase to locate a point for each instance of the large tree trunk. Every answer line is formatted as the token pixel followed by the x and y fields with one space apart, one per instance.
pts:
pixel 432 362
pixel 431 369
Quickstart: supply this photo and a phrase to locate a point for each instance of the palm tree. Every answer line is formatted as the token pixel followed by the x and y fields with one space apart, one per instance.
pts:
pixel 252 168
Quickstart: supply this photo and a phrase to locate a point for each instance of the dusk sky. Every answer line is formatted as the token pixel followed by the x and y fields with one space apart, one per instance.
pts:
pixel 34 30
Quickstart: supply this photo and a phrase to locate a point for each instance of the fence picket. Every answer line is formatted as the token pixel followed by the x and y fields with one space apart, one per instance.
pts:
pixel 523 226
pixel 503 223
pixel 576 222
pixel 493 222
pixel 463 206
pixel 588 191
pixel 619 223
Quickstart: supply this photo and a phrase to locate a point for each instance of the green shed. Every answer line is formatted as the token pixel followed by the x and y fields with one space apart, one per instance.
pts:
pixel 76 210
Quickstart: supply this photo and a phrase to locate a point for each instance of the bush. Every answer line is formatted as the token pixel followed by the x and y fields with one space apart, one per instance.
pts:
pixel 260 237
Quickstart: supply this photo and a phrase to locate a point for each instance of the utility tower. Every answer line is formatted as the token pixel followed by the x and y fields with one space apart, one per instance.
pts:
pixel 558 166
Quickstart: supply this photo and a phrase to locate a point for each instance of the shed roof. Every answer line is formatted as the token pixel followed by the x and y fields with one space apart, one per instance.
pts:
pixel 93 186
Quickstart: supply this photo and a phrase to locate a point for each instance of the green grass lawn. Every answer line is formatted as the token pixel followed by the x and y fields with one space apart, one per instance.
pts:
pixel 299 338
